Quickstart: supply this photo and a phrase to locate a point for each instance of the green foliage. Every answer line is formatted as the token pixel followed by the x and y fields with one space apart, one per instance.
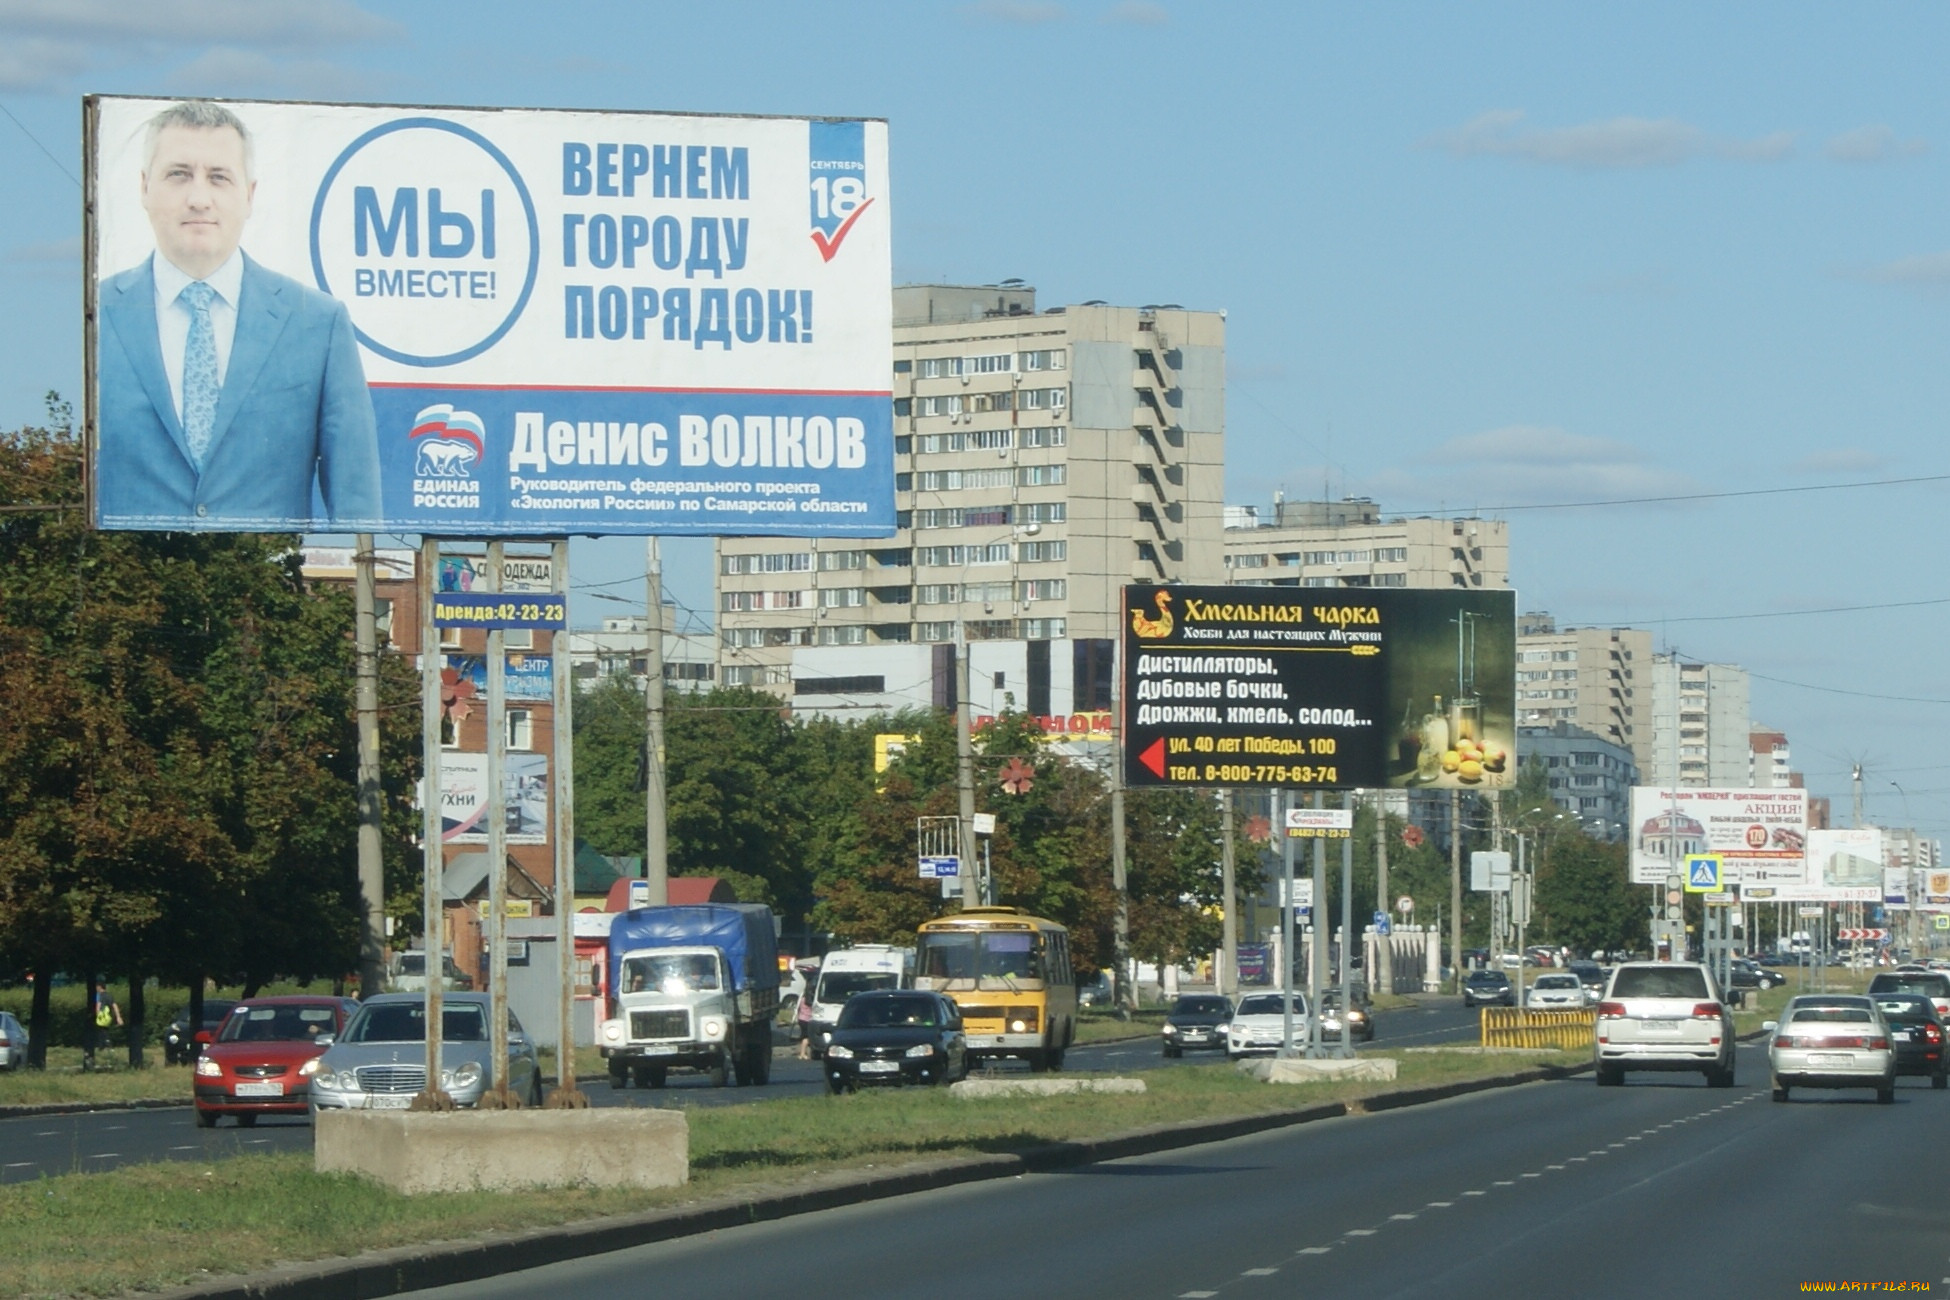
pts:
pixel 1585 898
pixel 177 769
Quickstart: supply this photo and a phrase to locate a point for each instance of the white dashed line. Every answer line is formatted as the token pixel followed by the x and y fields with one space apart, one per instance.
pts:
pixel 1315 1250
pixel 1440 1205
pixel 1401 1217
pixel 18 1164
pixel 1553 1166
pixel 1196 1295
pixel 1359 1232
pixel 115 1128
pixel 1259 1272
pixel 1504 1182
pixel 189 1148
pixel 1475 1193
pixel 103 1155
pixel 53 1132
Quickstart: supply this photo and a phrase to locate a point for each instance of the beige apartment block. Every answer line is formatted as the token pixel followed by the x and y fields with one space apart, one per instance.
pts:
pixel 1595 678
pixel 1043 459
pixel 1349 543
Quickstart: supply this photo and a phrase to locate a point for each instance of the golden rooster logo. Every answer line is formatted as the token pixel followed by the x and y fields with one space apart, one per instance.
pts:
pixel 1146 626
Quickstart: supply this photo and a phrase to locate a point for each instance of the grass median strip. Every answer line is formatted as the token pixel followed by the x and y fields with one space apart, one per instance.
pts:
pixel 176 1223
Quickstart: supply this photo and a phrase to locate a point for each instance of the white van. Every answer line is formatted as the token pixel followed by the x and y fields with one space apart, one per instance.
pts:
pixel 847 971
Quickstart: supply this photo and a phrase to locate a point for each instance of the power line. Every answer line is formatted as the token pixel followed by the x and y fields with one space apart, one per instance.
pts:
pixel 38 145
pixel 1694 496
pixel 1797 613
pixel 1836 690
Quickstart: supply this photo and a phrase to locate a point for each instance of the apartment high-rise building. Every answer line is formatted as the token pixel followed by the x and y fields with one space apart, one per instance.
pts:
pixel 1700 728
pixel 1591 777
pixel 1044 459
pixel 1349 543
pixel 1592 678
pixel 1768 765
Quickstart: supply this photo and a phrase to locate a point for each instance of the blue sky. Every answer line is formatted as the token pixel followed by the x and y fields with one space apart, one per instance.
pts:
pixel 1473 257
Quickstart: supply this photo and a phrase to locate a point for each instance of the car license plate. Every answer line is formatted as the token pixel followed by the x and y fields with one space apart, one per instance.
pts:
pixel 880 1067
pixel 1660 1026
pixel 1831 1058
pixel 268 1088
pixel 659 1049
pixel 390 1101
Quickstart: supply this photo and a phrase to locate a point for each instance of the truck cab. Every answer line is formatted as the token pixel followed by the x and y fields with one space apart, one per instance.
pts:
pixel 691 987
pixel 678 1008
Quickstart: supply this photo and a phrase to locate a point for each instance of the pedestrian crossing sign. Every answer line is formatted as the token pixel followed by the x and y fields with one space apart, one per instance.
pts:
pixel 1703 873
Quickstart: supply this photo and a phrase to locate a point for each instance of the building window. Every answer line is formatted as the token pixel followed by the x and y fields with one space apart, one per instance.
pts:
pixel 1043 589
pixel 521 730
pixel 1043 399
pixel 903 367
pixel 1044 436
pixel 518 638
pixel 954 556
pixel 1042 512
pixel 776 562
pixel 756 674
pixel 830 561
pixel 937 593
pixel 1050 359
pixel 862 685
pixel 853 634
pixel 450 638
pixel 934 631
pixel 1044 629
pixel 1041 475
pixel 1391 555
pixel 903 406
pixel 1391 579
pixel 1036 552
pixel 842 597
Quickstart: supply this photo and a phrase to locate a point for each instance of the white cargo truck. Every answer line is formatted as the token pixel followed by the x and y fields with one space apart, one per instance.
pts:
pixel 844 972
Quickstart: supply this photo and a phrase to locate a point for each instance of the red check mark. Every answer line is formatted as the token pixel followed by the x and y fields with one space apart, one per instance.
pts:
pixel 827 249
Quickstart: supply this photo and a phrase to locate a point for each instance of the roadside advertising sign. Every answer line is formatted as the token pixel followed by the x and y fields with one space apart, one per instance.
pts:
pixel 524 676
pixel 1844 866
pixel 1303 892
pixel 464 802
pixel 1759 836
pixel 940 868
pixel 1334 688
pixel 1489 871
pixel 486 322
pixel 1319 823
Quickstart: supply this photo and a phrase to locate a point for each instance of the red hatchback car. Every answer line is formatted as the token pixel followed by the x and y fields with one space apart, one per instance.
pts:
pixel 255 1062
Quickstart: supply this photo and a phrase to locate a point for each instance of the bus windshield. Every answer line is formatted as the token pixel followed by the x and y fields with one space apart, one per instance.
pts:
pixel 980 959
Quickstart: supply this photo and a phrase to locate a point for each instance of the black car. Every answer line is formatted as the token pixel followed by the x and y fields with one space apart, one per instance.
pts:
pixel 179 1040
pixel 1932 984
pixel 1590 974
pixel 1196 1020
pixel 1917 1033
pixel 1745 974
pixel 896 1036
pixel 1360 1020
pixel 1482 987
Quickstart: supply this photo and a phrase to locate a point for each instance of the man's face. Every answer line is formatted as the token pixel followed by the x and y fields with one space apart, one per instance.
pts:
pixel 197 196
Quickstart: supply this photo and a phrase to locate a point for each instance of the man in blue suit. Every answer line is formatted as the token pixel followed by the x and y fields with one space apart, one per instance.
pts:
pixel 228 395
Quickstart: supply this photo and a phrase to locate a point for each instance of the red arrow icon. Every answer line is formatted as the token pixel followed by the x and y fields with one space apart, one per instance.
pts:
pixel 1154 757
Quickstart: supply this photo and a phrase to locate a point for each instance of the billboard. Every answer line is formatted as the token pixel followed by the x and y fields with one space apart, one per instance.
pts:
pixel 463 798
pixel 524 676
pixel 1319 688
pixel 473 322
pixel 1844 866
pixel 1760 836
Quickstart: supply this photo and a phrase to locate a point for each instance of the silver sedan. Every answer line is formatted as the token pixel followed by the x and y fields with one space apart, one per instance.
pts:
pixel 379 1062
pixel 1832 1040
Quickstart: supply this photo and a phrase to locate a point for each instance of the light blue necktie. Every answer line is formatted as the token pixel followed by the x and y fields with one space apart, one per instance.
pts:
pixel 200 385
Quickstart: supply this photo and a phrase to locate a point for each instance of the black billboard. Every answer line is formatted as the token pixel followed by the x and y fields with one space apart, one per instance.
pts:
pixel 1319 688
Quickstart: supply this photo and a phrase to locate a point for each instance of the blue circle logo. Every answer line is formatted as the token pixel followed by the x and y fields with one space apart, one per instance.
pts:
pixel 425 230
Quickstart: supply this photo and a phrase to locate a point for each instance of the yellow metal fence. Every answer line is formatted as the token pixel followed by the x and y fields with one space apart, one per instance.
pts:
pixel 1514 1027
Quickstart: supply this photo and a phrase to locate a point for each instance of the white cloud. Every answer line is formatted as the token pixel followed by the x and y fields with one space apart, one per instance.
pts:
pixel 48 252
pixel 1138 13
pixel 46 43
pixel 1839 460
pixel 1615 143
pixel 1929 272
pixel 1871 144
pixel 223 70
pixel 1022 12
pixel 1524 465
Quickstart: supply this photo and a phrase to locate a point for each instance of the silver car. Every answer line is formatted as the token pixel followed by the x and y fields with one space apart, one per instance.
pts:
pixel 1832 1040
pixel 379 1062
pixel 1259 1024
pixel 1555 991
pixel 1663 1015
pixel 13 1042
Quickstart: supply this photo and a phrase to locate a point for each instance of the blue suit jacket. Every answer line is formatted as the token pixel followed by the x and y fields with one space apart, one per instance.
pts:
pixel 294 413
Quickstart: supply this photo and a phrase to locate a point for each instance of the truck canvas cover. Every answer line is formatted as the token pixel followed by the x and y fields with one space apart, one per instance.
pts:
pixel 742 931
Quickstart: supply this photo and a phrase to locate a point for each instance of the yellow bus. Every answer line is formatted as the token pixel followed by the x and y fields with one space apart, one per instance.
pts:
pixel 1010 974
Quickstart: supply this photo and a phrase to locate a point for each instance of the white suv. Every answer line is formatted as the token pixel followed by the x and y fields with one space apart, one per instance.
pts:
pixel 1663 1015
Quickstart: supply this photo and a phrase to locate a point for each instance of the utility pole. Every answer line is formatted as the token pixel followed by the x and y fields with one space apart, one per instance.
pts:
pixel 1384 953
pixel 1119 880
pixel 433 859
pixel 566 1094
pixel 1855 779
pixel 965 770
pixel 1228 973
pixel 372 865
pixel 497 832
pixel 656 815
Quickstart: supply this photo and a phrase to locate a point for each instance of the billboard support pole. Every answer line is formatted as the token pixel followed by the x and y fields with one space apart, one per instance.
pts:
pixel 566 1095
pixel 1228 901
pixel 1347 931
pixel 656 815
pixel 1455 885
pixel 1317 950
pixel 1384 973
pixel 433 856
pixel 965 769
pixel 1119 881
pixel 1284 799
pixel 372 866
pixel 497 833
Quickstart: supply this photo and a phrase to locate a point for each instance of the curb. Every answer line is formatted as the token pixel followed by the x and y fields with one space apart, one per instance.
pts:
pixel 157 1103
pixel 412 1268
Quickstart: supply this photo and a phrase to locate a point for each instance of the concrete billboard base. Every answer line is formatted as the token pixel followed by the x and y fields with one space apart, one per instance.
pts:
pixel 1295 1070
pixel 473 1150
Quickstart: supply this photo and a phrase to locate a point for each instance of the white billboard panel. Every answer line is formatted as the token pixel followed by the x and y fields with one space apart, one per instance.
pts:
pixel 476 322
pixel 1844 866
pixel 463 798
pixel 1760 836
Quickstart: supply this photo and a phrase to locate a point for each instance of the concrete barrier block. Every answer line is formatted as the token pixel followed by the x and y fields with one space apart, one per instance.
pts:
pixel 974 1089
pixel 1276 1070
pixel 468 1150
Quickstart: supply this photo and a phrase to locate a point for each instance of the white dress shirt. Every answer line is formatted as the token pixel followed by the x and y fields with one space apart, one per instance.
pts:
pixel 173 316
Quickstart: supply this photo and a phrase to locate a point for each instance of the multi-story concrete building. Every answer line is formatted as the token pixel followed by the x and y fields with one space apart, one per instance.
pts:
pixel 619 648
pixel 1768 765
pixel 1592 678
pixel 1591 776
pixel 1044 459
pixel 1349 543
pixel 1700 728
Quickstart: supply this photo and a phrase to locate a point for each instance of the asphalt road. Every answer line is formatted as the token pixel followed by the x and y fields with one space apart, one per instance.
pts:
pixel 31 1147
pixel 1661 1187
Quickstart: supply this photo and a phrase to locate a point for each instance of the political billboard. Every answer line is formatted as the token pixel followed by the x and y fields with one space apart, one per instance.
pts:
pixel 1319 688
pixel 481 322
pixel 1760 836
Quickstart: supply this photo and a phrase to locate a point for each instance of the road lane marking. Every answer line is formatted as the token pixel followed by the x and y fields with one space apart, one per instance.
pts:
pixel 53 1132
pixel 103 1155
pixel 1315 1250
pixel 188 1148
pixel 1401 1216
pixel 1196 1295
pixel 1359 1232
pixel 1504 1182
pixel 1259 1272
pixel 113 1128
pixel 1440 1205
pixel 1475 1193
pixel 1553 1166
pixel 18 1164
